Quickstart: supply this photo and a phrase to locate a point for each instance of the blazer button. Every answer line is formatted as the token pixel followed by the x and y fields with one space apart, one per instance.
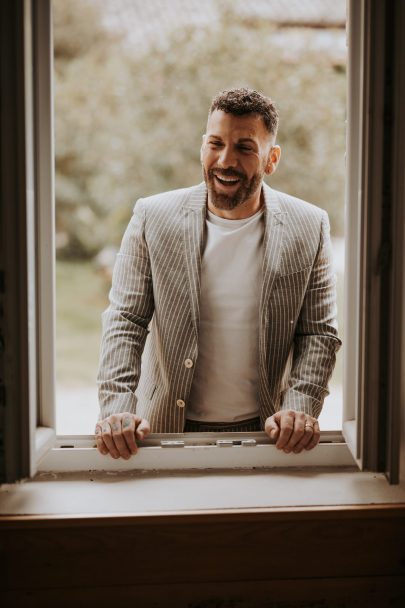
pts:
pixel 188 363
pixel 180 403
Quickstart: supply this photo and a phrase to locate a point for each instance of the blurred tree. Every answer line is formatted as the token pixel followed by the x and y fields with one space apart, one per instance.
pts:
pixel 91 165
pixel 129 126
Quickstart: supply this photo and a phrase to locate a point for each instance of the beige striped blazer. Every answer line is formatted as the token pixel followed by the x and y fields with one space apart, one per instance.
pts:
pixel 150 328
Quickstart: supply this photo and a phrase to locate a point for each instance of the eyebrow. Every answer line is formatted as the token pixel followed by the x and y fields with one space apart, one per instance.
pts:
pixel 240 140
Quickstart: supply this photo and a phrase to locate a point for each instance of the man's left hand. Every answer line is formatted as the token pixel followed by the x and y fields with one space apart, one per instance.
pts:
pixel 293 431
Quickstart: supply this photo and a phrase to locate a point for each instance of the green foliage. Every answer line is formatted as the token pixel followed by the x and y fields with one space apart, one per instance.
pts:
pixel 129 126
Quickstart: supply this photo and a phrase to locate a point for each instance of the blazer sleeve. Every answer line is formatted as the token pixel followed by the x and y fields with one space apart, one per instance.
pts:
pixel 316 340
pixel 125 322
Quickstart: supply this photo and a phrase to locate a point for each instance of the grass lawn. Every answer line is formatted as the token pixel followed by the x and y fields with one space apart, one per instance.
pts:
pixel 81 297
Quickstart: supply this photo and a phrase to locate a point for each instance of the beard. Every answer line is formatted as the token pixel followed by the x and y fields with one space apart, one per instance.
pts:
pixel 247 187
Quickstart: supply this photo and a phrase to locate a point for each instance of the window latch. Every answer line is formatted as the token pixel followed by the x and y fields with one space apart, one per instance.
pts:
pixel 225 443
pixel 220 443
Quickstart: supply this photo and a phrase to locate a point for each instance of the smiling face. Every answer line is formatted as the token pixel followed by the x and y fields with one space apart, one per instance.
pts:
pixel 236 153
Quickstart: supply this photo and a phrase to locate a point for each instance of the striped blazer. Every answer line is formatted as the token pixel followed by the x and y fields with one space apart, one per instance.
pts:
pixel 150 329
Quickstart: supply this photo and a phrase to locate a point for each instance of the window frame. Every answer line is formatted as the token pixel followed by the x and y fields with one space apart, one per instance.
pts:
pixel 164 451
pixel 18 361
pixel 364 216
pixel 375 217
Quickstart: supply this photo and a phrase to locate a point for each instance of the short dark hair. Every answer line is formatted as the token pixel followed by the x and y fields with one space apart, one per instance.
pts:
pixel 247 101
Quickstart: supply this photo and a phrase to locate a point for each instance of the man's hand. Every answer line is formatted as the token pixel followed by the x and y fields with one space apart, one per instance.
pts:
pixel 293 431
pixel 117 434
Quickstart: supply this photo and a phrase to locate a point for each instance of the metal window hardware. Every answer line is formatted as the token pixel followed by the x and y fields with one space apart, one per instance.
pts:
pixel 221 443
pixel 249 443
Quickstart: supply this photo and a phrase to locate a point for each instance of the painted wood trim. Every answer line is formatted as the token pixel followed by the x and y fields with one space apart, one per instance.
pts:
pixel 318 513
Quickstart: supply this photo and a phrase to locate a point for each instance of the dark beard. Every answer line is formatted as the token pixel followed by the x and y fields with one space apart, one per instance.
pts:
pixel 228 202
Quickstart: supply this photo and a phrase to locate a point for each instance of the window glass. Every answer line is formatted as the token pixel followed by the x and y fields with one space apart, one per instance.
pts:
pixel 133 83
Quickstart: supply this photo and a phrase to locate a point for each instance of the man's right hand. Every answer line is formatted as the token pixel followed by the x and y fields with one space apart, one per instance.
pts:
pixel 117 434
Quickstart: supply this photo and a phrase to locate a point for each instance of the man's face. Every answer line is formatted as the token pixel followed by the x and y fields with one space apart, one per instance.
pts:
pixel 236 153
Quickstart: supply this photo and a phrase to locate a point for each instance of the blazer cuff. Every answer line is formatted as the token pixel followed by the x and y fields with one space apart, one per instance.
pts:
pixel 117 403
pixel 300 402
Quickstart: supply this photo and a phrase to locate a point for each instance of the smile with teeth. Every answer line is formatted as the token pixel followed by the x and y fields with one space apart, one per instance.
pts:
pixel 227 181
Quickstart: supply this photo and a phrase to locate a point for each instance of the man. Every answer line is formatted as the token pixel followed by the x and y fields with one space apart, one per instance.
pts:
pixel 234 281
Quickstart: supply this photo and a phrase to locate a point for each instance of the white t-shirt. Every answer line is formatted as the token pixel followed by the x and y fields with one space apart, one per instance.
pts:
pixel 225 383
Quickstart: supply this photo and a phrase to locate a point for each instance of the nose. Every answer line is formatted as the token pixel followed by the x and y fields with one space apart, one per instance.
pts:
pixel 227 157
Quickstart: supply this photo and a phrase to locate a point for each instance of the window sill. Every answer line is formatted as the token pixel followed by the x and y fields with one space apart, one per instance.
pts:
pixel 204 478
pixel 168 492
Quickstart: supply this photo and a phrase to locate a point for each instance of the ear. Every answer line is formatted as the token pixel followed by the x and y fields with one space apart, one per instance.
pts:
pixel 273 160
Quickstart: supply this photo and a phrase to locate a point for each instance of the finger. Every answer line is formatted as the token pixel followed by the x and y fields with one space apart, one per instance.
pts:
pixel 315 436
pixel 286 429
pixel 305 439
pixel 118 439
pixel 106 434
pixel 298 432
pixel 143 429
pixel 101 446
pixel 272 428
pixel 128 432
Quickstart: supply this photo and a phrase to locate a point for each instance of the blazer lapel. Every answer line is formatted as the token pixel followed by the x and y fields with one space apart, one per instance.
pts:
pixel 272 246
pixel 194 216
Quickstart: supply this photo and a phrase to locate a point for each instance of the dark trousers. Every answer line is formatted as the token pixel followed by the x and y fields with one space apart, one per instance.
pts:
pixel 195 426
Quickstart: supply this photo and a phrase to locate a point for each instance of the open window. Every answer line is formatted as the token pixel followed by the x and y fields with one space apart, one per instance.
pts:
pixel 118 137
pixel 374 315
pixel 373 274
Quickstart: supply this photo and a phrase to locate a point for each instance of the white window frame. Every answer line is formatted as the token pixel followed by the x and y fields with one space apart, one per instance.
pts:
pixel 352 367
pixel 46 451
